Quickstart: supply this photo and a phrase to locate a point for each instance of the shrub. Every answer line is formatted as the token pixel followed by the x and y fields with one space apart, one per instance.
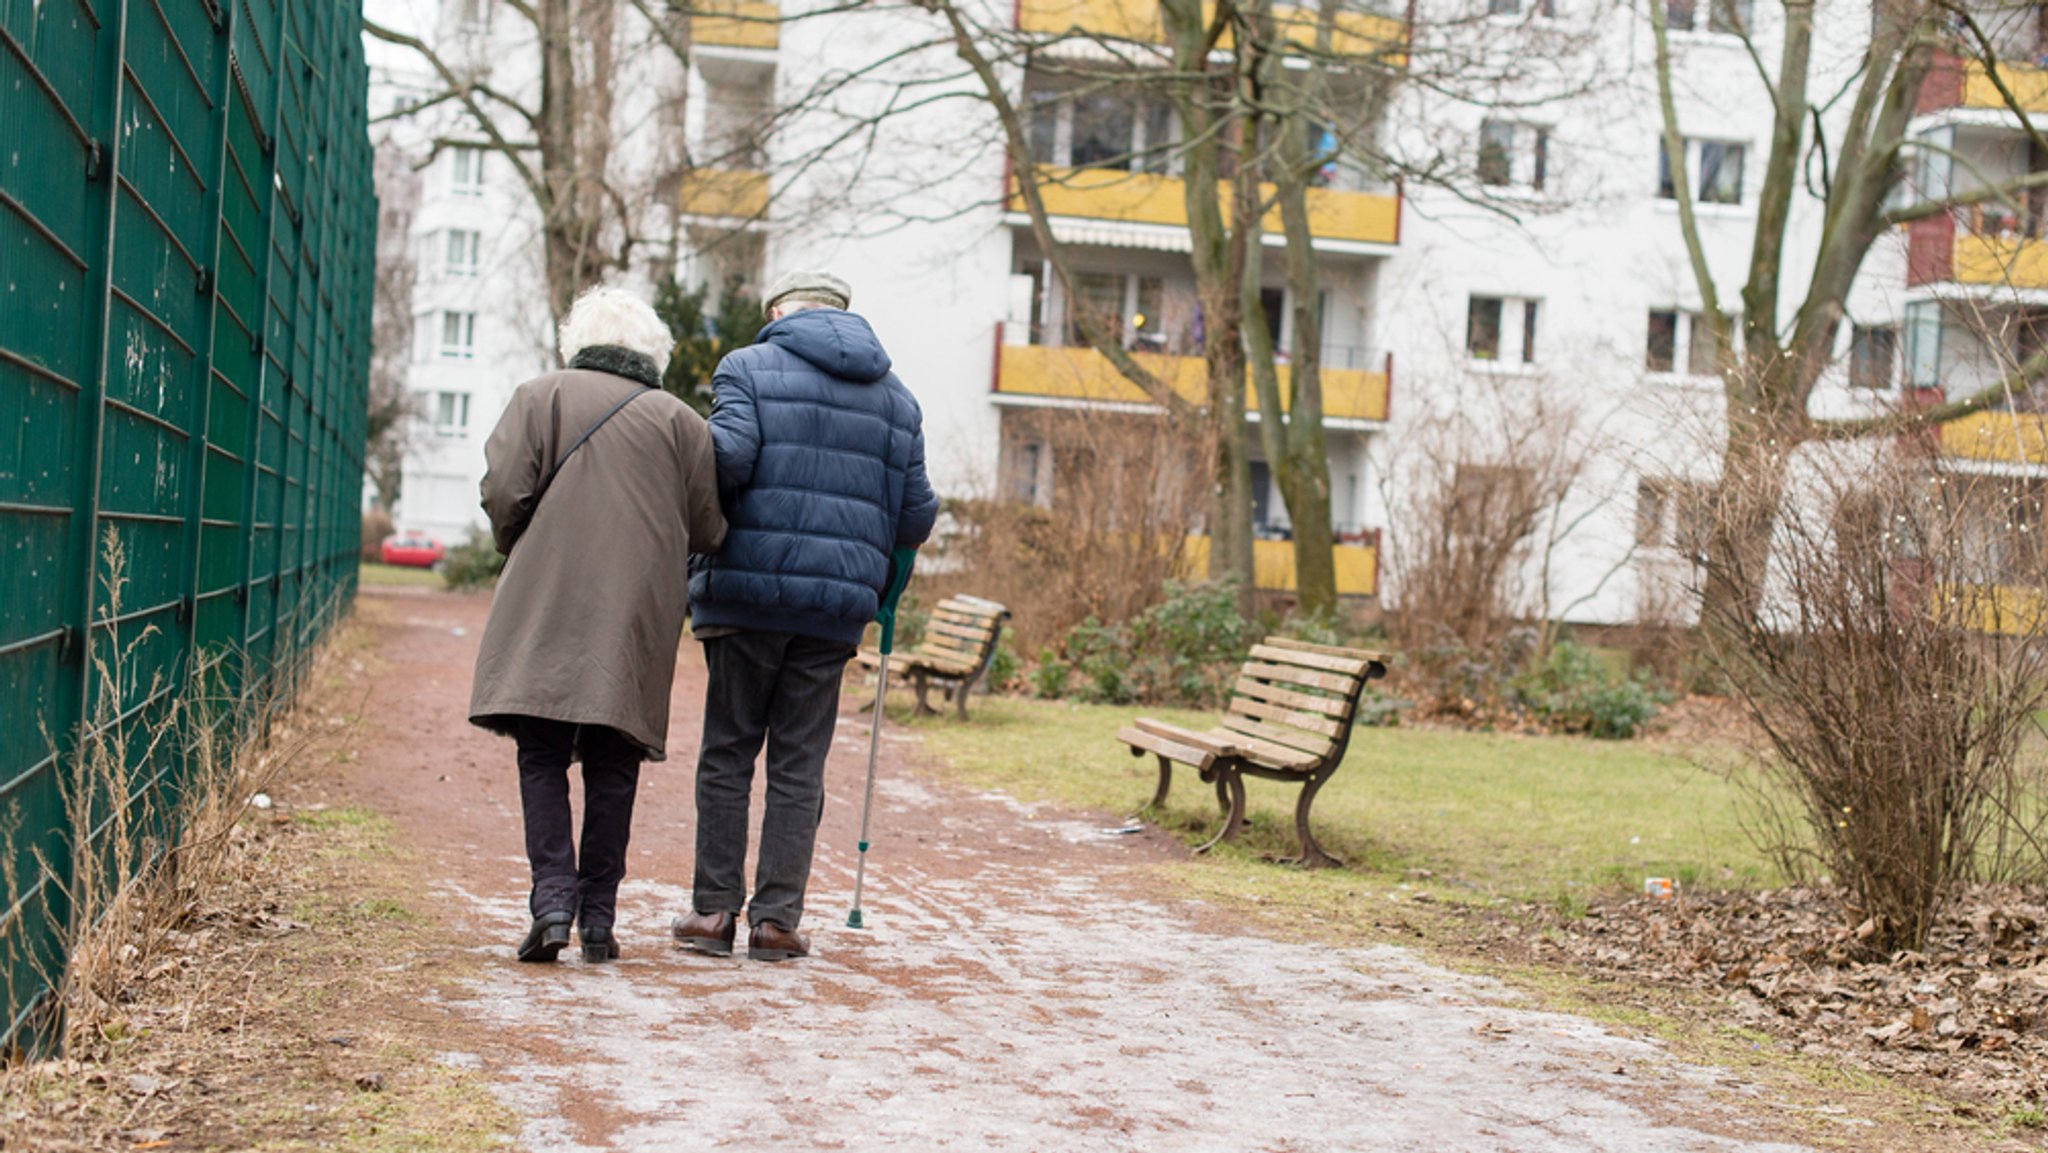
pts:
pixel 376 526
pixel 1181 651
pixel 1574 693
pixel 475 563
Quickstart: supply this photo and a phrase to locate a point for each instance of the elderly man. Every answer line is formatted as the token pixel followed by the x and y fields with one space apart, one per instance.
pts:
pixel 821 471
pixel 599 487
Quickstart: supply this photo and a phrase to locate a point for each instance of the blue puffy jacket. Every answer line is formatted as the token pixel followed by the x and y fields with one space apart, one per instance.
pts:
pixel 821 473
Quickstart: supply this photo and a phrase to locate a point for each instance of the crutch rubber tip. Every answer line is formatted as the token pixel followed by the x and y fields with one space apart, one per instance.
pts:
pixel 853 919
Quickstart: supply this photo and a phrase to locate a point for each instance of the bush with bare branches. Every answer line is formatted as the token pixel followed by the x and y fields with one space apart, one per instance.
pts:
pixel 1895 678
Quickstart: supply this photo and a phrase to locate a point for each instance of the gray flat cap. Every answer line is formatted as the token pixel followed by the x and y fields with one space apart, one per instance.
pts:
pixel 817 287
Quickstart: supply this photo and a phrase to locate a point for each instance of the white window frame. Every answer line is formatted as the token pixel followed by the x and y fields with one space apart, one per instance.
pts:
pixel 1528 156
pixel 1685 332
pixel 451 413
pixel 1515 351
pixel 452 244
pixel 457 336
pixel 470 182
pixel 1696 173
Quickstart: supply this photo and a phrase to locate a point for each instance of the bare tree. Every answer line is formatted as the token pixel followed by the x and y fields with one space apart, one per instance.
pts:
pixel 1857 164
pixel 391 404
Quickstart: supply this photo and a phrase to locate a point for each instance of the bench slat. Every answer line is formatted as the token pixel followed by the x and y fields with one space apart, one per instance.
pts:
pixel 1270 754
pixel 970 612
pixel 1327 650
pixel 1246 706
pixel 1298 676
pixel 969 634
pixel 1315 746
pixel 910 660
pixel 1348 666
pixel 1328 706
pixel 1172 750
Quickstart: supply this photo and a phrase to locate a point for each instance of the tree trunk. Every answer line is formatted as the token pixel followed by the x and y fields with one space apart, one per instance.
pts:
pixel 1746 503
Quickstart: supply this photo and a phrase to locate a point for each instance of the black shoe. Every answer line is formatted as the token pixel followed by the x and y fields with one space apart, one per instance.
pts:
pixel 710 933
pixel 598 943
pixel 548 937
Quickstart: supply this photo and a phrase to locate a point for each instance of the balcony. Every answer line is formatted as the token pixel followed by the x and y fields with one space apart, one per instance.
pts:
pixel 2010 610
pixel 736 24
pixel 1958 83
pixel 1083 374
pixel 1998 438
pixel 724 192
pixel 1358 565
pixel 1991 247
pixel 1352 33
pixel 1153 198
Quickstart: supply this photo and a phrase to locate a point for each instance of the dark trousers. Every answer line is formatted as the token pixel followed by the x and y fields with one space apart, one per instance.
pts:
pixel 784 689
pixel 563 879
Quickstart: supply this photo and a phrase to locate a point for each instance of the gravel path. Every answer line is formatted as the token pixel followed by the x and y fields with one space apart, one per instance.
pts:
pixel 1024 983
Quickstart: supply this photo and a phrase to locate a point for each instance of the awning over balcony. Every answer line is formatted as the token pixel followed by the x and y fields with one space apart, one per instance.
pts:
pixel 2015 438
pixel 1150 198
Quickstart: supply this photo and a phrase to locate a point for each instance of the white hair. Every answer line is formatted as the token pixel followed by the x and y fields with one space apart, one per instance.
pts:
pixel 617 317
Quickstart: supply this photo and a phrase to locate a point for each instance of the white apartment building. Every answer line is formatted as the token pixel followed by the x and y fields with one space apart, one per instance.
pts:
pixel 1551 285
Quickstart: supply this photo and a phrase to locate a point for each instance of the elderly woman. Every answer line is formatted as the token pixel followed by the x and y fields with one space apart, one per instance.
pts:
pixel 599 487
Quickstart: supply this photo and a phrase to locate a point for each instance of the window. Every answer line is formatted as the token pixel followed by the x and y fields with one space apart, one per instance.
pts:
pixel 1099 296
pixel 1148 323
pixel 1675 514
pixel 461 252
pixel 1495 327
pixel 1026 484
pixel 1544 8
pixel 451 413
pixel 1678 15
pixel 1730 17
pixel 1482 328
pixel 466 171
pixel 1513 154
pixel 1872 352
pixel 1663 353
pixel 458 335
pixel 1103 129
pixel 1720 172
pixel 1496 151
pixel 1685 338
pixel 1717 165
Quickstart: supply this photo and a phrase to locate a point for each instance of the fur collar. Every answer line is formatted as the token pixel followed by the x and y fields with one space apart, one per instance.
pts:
pixel 619 362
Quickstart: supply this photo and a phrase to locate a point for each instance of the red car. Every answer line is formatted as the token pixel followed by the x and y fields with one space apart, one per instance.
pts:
pixel 412 551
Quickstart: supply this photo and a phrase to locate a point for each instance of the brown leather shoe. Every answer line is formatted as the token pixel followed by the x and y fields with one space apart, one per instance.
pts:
pixel 705 932
pixel 771 942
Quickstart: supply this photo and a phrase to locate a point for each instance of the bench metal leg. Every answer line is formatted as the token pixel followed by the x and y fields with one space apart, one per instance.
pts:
pixel 1165 782
pixel 1234 816
pixel 1312 854
pixel 960 699
pixel 924 707
pixel 1223 795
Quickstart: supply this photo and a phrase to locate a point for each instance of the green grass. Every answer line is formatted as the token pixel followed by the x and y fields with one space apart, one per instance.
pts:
pixel 1527 818
pixel 373 573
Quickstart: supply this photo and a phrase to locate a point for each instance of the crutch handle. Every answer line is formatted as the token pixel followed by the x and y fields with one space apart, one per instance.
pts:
pixel 900 563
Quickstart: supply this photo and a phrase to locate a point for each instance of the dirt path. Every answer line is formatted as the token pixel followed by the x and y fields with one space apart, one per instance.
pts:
pixel 1023 985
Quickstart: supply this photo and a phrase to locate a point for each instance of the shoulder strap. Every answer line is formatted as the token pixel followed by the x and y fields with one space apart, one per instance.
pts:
pixel 563 459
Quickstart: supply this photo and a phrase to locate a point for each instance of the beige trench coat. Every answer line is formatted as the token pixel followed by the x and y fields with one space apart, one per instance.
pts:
pixel 589 610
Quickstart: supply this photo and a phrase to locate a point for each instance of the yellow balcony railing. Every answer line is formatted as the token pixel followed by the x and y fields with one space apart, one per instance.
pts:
pixel 2011 610
pixel 735 23
pixel 1351 33
pixel 1084 374
pixel 2002 260
pixel 2029 86
pixel 2000 437
pixel 1151 198
pixel 724 192
pixel 1358 565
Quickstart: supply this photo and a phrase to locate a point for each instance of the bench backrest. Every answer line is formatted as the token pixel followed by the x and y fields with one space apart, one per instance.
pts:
pixel 965 627
pixel 1300 695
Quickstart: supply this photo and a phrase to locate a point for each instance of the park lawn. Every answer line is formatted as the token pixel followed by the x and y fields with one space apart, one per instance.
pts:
pixel 373 573
pixel 1485 816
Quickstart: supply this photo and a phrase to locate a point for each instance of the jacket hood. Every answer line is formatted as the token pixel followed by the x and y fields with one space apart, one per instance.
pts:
pixel 837 342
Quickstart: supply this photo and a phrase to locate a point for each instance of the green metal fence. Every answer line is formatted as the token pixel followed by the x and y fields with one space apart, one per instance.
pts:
pixel 187 233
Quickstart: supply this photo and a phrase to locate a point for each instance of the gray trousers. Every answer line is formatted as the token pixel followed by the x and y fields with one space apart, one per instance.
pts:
pixel 784 689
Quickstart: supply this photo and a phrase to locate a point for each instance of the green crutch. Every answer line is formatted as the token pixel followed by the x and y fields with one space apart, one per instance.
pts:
pixel 900 563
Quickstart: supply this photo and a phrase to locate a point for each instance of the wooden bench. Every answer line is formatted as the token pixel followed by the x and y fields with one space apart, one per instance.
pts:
pixel 959 641
pixel 1289 719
